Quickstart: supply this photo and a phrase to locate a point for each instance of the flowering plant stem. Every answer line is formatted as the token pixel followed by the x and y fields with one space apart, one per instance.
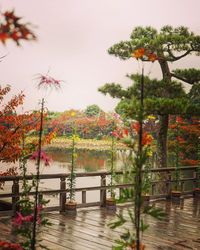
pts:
pixel 131 239
pixel 138 176
pixel 72 177
pixel 112 157
pixel 198 168
pixel 177 170
pixel 71 180
pixel 33 240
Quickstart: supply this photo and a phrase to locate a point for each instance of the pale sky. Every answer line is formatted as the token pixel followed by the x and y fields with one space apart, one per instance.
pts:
pixel 73 38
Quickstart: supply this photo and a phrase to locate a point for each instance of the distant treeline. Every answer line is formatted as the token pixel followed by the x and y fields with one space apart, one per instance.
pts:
pixel 89 123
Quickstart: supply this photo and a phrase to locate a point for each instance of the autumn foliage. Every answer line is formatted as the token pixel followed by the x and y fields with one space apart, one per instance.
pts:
pixel 86 127
pixel 133 131
pixel 188 130
pixel 10 126
pixel 13 126
pixel 11 28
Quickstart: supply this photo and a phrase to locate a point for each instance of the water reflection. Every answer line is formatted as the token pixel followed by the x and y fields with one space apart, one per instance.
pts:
pixel 89 160
pixel 86 161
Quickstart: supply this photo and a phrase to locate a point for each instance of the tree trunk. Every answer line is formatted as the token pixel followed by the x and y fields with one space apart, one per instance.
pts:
pixel 162 141
pixel 164 120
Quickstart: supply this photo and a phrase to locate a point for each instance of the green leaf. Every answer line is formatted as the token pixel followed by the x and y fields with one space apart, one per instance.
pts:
pixel 131 215
pixel 125 236
pixel 143 226
pixel 117 223
pixel 157 213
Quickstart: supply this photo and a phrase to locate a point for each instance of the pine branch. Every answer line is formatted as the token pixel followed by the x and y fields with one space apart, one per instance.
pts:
pixel 182 78
pixel 176 58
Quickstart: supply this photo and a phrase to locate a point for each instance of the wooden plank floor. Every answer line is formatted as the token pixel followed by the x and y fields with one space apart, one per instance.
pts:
pixel 88 229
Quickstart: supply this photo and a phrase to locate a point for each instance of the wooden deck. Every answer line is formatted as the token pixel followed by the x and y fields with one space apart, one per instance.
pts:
pixel 88 229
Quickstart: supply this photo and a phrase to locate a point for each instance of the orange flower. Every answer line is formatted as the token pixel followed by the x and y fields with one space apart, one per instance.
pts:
pixel 126 132
pixel 138 53
pixel 152 57
pixel 136 127
pixel 146 139
pixel 179 119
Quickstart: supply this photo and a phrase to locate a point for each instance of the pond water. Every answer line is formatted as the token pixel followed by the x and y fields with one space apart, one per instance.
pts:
pixel 86 161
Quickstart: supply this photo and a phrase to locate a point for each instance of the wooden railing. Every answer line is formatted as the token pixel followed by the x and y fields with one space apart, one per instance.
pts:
pixel 160 176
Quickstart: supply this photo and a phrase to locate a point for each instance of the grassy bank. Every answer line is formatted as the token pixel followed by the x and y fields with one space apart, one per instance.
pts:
pixel 61 143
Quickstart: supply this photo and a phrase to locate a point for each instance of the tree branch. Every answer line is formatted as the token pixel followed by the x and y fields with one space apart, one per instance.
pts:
pixel 176 58
pixel 183 79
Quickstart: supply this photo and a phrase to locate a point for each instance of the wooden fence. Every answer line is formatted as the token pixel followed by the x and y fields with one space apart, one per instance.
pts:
pixel 160 175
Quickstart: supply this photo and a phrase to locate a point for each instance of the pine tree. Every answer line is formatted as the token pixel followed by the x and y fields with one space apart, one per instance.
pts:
pixel 166 46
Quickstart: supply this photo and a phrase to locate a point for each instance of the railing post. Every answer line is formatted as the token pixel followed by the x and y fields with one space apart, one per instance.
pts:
pixel 62 195
pixel 40 198
pixel 84 197
pixel 195 176
pixel 153 187
pixel 121 191
pixel 103 191
pixel 169 186
pixel 182 186
pixel 15 198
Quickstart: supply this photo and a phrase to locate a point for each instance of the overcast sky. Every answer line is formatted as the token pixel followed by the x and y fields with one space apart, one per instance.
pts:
pixel 73 38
